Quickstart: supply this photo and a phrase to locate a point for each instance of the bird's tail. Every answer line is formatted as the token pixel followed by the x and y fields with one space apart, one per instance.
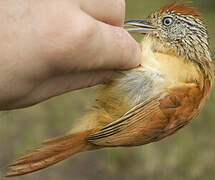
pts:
pixel 51 152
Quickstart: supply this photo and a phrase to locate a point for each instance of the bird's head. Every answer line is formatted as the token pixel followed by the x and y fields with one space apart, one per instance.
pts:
pixel 175 28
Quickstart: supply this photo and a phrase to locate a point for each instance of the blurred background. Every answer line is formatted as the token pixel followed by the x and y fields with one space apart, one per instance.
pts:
pixel 187 155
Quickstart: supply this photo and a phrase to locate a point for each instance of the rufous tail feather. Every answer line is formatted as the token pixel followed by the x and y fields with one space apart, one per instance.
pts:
pixel 51 152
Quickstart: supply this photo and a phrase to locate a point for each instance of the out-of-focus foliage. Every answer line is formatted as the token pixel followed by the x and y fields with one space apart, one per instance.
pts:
pixel 189 154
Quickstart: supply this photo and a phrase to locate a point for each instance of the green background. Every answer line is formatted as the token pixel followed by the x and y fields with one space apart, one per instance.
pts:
pixel 189 154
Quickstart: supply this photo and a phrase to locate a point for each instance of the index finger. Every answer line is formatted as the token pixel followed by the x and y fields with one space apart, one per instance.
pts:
pixel 108 11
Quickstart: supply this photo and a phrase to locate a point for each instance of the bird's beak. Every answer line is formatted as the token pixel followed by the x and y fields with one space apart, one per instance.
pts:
pixel 139 26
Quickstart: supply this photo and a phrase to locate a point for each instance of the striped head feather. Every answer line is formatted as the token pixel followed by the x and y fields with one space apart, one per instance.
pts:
pixel 181 8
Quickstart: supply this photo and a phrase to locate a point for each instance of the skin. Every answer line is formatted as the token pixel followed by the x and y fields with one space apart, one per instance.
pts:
pixel 51 47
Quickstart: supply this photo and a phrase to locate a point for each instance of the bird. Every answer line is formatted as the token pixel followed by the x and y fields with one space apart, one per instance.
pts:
pixel 147 103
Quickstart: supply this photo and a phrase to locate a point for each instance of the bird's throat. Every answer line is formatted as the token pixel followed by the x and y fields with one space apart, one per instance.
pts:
pixel 174 68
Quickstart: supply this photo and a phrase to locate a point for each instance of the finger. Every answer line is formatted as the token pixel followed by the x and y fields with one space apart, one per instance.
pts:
pixel 110 48
pixel 92 45
pixel 60 85
pixel 108 11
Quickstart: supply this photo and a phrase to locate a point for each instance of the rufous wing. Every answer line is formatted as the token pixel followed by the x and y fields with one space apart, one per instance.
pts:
pixel 153 119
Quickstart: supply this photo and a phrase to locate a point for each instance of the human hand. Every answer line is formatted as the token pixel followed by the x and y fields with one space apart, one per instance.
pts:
pixel 51 47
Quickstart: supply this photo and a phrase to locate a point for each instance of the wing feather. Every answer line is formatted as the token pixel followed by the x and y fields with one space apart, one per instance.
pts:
pixel 153 119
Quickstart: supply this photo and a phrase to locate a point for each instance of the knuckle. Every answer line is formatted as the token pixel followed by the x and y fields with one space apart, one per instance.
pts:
pixel 82 33
pixel 67 34
pixel 65 39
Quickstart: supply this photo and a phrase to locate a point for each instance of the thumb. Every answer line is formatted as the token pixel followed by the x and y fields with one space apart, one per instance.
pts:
pixel 115 49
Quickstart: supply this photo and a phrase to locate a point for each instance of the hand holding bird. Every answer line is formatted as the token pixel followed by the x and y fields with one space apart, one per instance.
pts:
pixel 147 103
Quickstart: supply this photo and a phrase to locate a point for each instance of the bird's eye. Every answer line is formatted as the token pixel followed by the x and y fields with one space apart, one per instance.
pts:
pixel 167 21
